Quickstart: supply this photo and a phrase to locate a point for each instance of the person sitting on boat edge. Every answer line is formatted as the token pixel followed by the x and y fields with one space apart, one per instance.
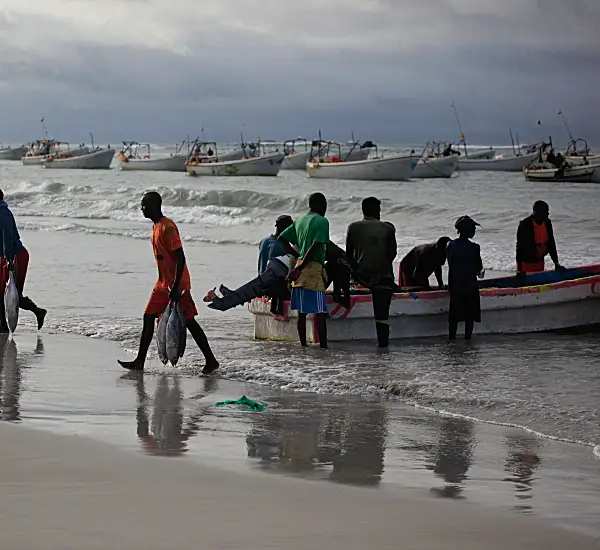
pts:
pixel 310 233
pixel 423 261
pixel 464 266
pixel 535 239
pixel 269 248
pixel 370 250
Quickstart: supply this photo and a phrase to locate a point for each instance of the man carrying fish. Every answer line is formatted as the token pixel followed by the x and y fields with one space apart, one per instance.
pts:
pixel 14 252
pixel 173 285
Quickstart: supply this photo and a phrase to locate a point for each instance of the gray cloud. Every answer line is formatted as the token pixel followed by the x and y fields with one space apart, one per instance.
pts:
pixel 157 70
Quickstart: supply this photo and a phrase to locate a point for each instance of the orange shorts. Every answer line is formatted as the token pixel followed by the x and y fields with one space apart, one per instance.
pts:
pixel 159 300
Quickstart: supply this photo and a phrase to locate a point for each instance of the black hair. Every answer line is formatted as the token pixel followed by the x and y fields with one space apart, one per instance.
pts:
pixel 154 197
pixel 370 205
pixel 317 200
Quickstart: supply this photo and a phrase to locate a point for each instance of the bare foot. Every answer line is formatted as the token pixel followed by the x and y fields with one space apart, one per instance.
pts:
pixel 40 315
pixel 132 365
pixel 210 367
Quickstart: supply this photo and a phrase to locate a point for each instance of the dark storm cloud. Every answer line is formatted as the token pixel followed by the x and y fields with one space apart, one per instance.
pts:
pixel 383 68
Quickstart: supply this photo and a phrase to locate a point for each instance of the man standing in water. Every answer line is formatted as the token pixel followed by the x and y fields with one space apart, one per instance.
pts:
pixel 370 250
pixel 173 284
pixel 464 266
pixel 310 233
pixel 14 251
pixel 535 239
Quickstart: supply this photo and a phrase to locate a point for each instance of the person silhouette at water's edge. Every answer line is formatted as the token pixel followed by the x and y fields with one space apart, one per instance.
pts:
pixel 464 266
pixel 14 251
pixel 310 233
pixel 173 285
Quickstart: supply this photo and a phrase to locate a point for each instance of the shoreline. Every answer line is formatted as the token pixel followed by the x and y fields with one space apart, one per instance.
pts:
pixel 72 492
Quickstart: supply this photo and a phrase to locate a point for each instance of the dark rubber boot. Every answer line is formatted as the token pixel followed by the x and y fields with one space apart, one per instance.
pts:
pixel 383 334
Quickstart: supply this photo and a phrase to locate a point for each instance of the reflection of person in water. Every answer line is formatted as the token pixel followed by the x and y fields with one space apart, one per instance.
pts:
pixel 522 461
pixel 165 434
pixel 349 444
pixel 11 376
pixel 453 456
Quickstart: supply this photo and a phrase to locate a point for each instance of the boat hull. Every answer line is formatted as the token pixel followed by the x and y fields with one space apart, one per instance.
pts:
pixel 481 154
pixel 297 161
pixel 99 160
pixel 545 307
pixel 442 167
pixel 38 160
pixel 13 153
pixel 578 174
pixel 577 160
pixel 510 164
pixel 267 165
pixel 175 163
pixel 397 168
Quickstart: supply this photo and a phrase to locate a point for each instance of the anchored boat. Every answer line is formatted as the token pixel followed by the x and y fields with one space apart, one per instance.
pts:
pixel 40 150
pixel 13 153
pixel 205 161
pixel 378 168
pixel 137 156
pixel 99 159
pixel 297 154
pixel 550 301
pixel 440 161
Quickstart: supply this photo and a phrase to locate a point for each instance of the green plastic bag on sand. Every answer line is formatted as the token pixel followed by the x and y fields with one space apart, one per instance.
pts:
pixel 254 405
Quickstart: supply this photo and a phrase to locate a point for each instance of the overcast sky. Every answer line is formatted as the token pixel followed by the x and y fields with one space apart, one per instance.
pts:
pixel 386 69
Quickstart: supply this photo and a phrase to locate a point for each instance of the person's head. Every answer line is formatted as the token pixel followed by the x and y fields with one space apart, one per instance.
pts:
pixel 317 203
pixel 465 226
pixel 371 208
pixel 541 211
pixel 442 243
pixel 152 205
pixel 282 223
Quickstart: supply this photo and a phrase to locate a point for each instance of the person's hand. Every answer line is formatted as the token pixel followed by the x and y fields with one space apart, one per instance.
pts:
pixel 560 268
pixel 175 295
pixel 294 274
pixel 521 277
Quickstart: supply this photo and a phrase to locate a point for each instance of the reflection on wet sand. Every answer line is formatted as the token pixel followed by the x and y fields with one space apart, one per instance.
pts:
pixel 11 376
pixel 522 461
pixel 453 456
pixel 167 431
pixel 331 441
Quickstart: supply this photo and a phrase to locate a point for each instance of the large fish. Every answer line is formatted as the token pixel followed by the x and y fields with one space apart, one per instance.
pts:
pixel 161 335
pixel 175 327
pixel 11 302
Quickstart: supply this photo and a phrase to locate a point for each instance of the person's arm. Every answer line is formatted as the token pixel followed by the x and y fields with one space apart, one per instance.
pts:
pixel 520 238
pixel 287 238
pixel 391 245
pixel 552 247
pixel 350 248
pixel 438 276
pixel 175 294
pixel 288 247
pixel 479 263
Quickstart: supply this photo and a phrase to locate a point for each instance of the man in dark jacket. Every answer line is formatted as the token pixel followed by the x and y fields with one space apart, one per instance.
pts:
pixel 421 262
pixel 535 239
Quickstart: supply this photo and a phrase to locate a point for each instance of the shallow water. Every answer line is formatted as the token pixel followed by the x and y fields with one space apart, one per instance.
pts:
pixel 92 266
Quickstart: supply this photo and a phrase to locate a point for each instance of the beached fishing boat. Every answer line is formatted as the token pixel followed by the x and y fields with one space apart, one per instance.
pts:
pixel 99 159
pixel 550 301
pixel 136 156
pixel 297 154
pixel 325 165
pixel 206 161
pixel 13 153
pixel 572 174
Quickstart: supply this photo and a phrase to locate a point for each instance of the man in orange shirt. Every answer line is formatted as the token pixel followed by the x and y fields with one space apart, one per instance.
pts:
pixel 535 239
pixel 173 285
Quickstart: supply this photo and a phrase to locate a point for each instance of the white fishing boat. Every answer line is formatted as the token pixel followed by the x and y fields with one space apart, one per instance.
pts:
pixel 324 165
pixel 206 161
pixel 572 174
pixel 137 156
pixel 500 164
pixel 40 150
pixel 440 161
pixel 99 159
pixel 297 154
pixel 13 153
pixel 479 154
pixel 578 153
pixel 550 302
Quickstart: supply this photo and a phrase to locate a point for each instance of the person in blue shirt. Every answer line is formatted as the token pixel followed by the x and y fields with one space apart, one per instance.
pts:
pixel 464 266
pixel 269 248
pixel 14 254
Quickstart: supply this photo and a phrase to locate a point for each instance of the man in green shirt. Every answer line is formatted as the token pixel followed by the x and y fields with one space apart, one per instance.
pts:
pixel 370 250
pixel 310 233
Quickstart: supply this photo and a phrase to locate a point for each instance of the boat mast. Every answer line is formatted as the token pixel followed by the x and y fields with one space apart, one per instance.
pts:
pixel 462 134
pixel 512 141
pixel 560 114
